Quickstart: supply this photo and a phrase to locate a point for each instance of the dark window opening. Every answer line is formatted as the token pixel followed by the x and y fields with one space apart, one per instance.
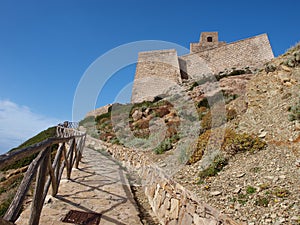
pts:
pixel 209 39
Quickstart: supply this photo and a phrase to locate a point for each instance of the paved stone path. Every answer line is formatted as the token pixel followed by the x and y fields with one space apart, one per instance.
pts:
pixel 100 185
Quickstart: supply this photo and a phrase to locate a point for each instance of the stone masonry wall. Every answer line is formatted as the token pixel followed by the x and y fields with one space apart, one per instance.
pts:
pixel 171 202
pixel 156 71
pixel 254 51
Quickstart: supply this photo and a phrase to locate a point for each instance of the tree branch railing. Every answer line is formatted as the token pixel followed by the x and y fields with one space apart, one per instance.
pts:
pixel 47 171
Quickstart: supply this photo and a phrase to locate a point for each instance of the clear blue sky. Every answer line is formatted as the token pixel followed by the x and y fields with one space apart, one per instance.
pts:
pixel 46 46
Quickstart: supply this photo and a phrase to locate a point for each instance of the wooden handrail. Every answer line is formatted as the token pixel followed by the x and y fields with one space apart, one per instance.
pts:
pixel 71 143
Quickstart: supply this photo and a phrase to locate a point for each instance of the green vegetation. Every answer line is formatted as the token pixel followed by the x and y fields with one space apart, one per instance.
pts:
pixel 294 112
pixel 166 144
pixel 281 192
pixel 4 205
pixel 293 59
pixel 250 190
pixel 262 201
pixel 216 166
pixel 87 120
pixel 14 183
pixel 232 144
pixel 255 169
pixel 50 132
pixel 242 198
pixel 264 186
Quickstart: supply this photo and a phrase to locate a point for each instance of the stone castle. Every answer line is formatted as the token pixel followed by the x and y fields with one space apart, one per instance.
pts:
pixel 156 71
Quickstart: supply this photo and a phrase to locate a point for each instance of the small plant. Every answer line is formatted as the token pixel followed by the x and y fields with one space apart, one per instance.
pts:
pixel 164 146
pixel 215 167
pixel 264 186
pixel 255 169
pixel 281 193
pixel 262 201
pixel 231 114
pixel 242 198
pixel 295 112
pixel 250 190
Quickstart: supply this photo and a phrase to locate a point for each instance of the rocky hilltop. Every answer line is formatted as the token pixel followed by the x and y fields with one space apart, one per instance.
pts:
pixel 254 178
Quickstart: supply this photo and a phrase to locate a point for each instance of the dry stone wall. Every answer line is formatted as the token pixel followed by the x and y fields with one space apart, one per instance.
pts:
pixel 171 202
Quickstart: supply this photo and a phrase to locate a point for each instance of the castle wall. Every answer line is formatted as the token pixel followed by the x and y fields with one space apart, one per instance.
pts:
pixel 156 71
pixel 194 66
pixel 253 51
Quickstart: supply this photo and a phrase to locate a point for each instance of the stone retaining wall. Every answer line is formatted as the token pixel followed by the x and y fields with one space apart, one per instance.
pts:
pixel 171 202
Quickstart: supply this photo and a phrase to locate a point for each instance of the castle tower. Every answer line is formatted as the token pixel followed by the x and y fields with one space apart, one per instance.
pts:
pixel 208 40
pixel 156 72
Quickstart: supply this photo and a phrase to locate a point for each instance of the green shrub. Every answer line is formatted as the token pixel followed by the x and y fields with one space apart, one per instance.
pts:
pixel 295 112
pixel 232 143
pixel 166 144
pixel 216 166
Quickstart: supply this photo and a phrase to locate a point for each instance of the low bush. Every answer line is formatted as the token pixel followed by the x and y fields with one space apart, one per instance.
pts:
pixel 294 112
pixel 232 144
pixel 216 166
pixel 166 144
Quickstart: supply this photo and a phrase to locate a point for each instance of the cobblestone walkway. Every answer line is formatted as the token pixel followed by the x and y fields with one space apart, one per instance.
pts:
pixel 99 186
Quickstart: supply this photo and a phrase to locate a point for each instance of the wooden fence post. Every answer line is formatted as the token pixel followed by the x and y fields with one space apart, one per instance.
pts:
pixel 38 201
pixel 12 212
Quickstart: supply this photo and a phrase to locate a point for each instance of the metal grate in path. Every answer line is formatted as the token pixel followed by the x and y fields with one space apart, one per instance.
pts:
pixel 82 218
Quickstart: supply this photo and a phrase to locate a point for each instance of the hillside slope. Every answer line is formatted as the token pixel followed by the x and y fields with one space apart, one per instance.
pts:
pixel 264 187
pixel 255 177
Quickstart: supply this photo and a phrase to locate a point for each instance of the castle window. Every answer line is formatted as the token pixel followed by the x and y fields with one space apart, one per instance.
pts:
pixel 209 39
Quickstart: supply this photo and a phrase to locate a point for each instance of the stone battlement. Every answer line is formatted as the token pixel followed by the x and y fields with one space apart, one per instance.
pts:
pixel 157 70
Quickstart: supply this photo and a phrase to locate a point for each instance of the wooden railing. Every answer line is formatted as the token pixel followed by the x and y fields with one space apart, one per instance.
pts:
pixel 47 170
